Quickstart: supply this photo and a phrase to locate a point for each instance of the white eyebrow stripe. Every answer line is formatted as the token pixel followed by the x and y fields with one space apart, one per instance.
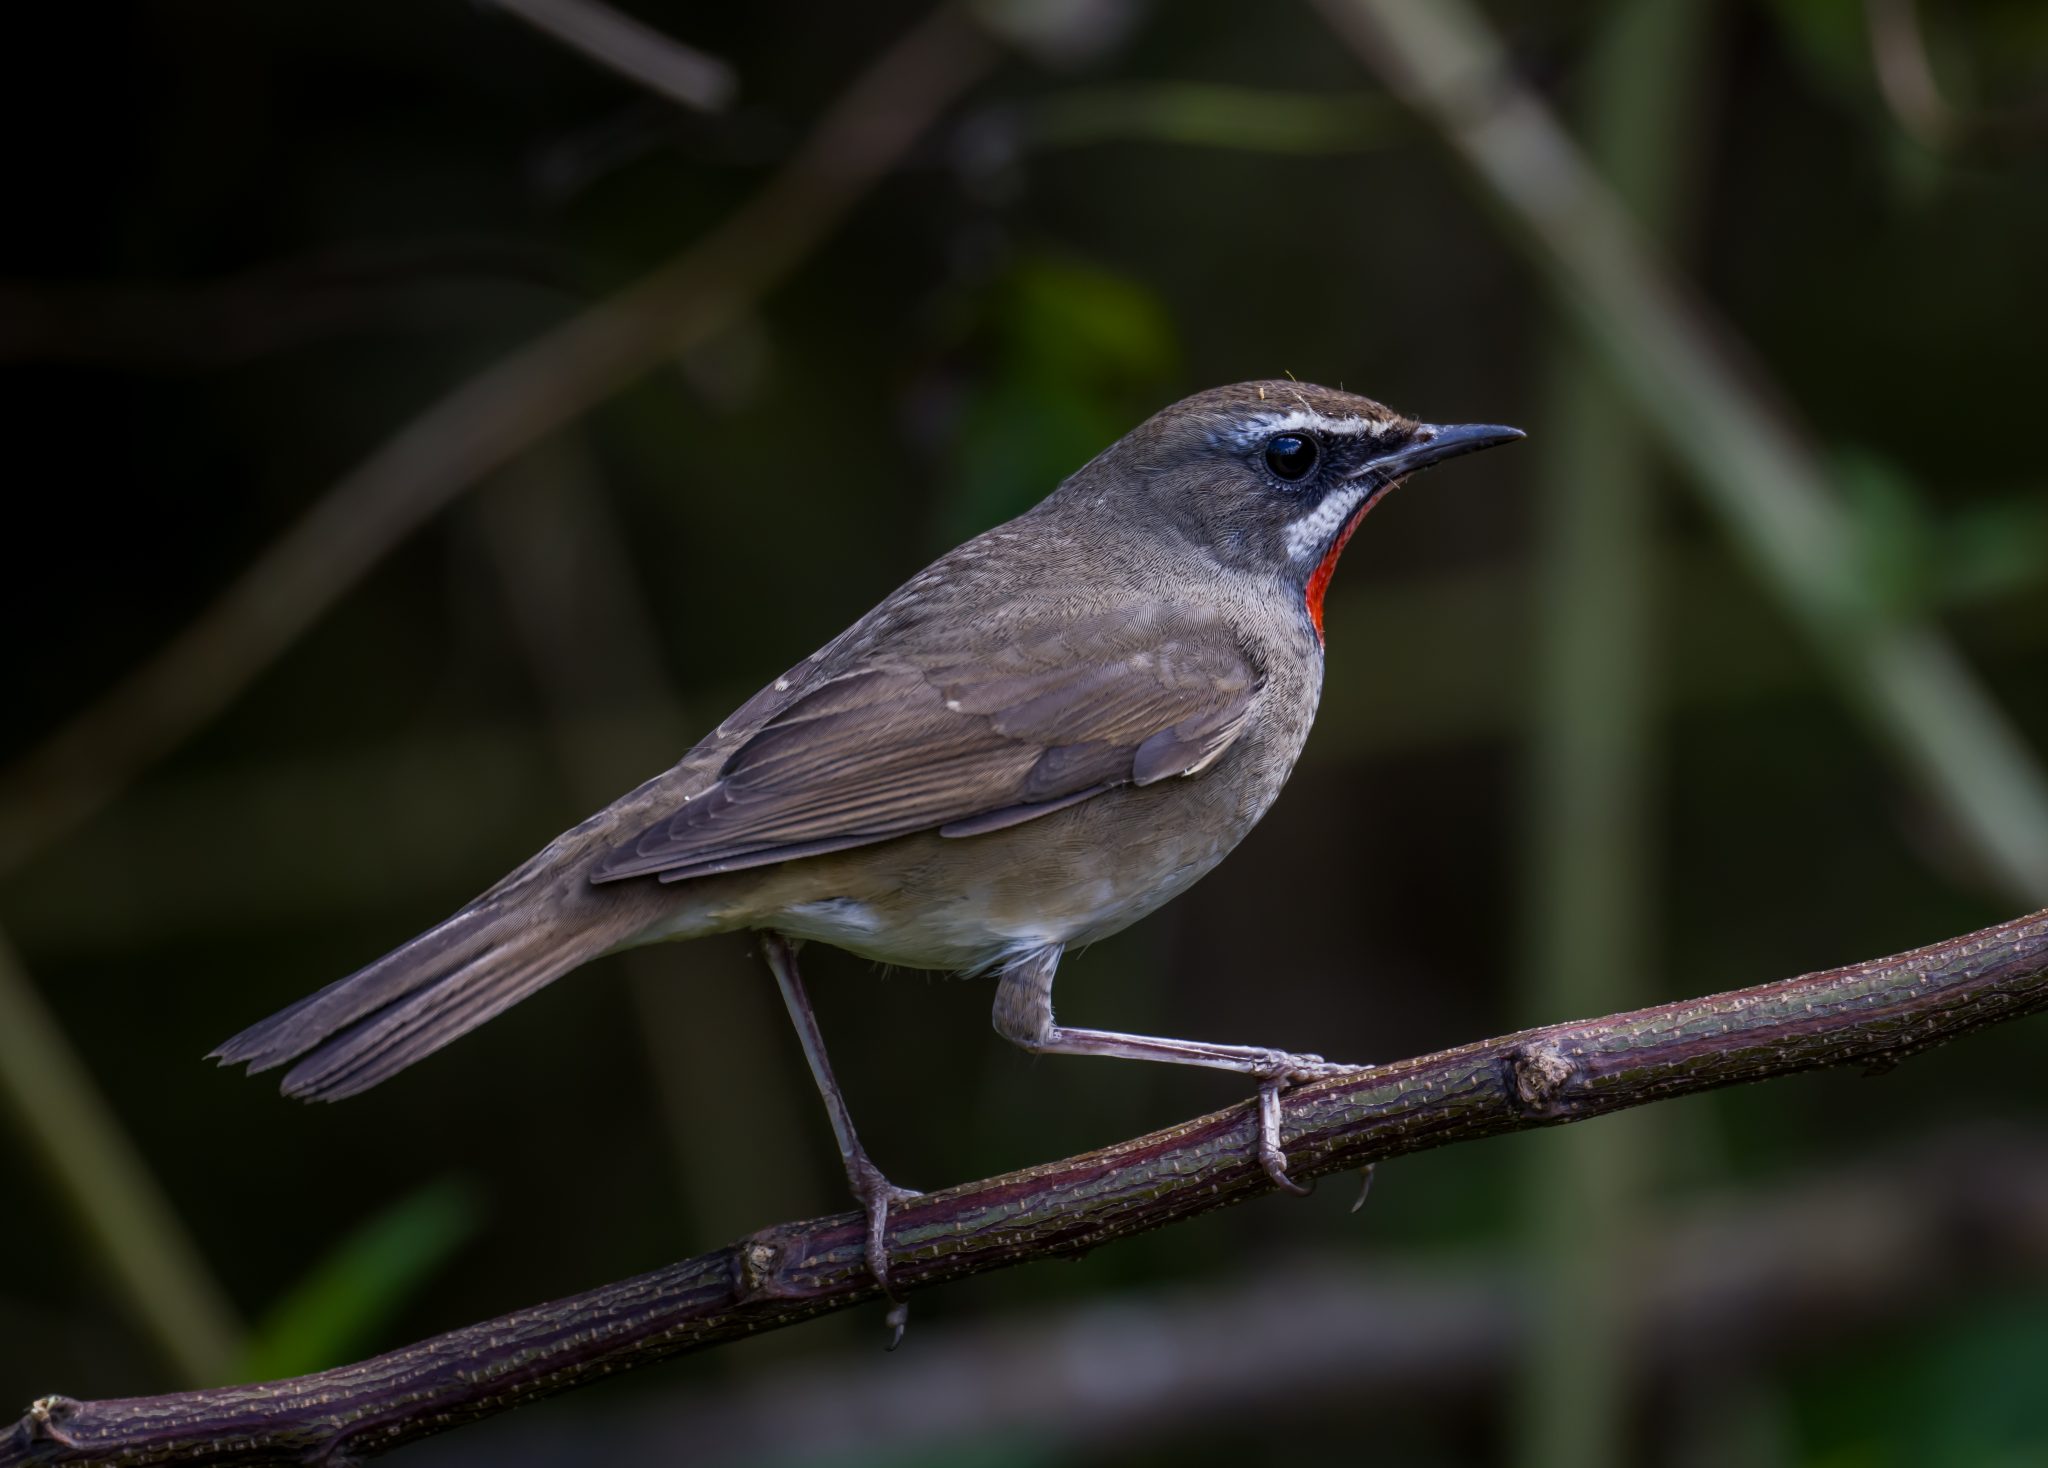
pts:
pixel 1307 536
pixel 1299 418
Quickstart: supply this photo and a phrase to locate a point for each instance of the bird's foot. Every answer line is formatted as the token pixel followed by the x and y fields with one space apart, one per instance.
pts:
pixel 877 1194
pixel 1278 1071
pixel 1271 1156
pixel 1294 1070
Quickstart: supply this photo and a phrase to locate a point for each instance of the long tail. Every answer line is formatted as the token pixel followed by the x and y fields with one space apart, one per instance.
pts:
pixel 527 931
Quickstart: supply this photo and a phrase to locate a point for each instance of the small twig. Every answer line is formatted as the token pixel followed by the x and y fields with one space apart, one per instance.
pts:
pixel 512 404
pixel 638 52
pixel 1872 1014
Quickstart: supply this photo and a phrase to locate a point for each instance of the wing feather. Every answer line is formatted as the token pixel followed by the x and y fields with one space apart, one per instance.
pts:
pixel 882 750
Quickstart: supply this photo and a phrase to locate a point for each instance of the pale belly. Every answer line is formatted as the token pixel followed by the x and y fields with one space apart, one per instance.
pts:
pixel 977 924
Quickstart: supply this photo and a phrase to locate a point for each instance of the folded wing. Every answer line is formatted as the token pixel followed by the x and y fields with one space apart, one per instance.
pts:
pixel 960 747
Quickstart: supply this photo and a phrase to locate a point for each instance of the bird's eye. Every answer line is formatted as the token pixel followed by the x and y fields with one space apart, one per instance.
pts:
pixel 1292 456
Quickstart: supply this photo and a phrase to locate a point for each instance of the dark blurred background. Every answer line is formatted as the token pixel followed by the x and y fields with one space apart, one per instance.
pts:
pixel 1589 741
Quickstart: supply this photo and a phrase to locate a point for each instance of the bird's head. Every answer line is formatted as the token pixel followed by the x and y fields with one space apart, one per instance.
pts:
pixel 1272 477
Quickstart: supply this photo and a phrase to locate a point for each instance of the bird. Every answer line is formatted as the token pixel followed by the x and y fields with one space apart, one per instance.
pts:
pixel 1046 734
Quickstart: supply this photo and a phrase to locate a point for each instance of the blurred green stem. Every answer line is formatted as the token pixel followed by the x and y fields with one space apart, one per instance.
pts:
pixel 1589 875
pixel 1210 115
pixel 1752 466
pixel 150 1260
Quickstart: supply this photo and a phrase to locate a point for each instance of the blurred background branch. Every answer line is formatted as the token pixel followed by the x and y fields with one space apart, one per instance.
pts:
pixel 1911 89
pixel 515 402
pixel 660 63
pixel 1744 455
pixel 1905 75
pixel 1872 1014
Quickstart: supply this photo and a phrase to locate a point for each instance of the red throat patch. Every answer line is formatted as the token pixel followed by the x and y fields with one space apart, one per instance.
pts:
pixel 1319 579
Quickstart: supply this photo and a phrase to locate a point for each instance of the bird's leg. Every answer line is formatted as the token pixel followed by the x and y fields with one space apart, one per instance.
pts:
pixel 1023 1014
pixel 874 1191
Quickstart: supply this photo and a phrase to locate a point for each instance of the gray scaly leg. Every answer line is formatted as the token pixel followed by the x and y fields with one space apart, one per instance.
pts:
pixel 874 1191
pixel 1023 1014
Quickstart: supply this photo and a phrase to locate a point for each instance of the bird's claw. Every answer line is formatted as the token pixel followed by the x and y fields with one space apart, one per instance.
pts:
pixel 1299 1069
pixel 1271 1157
pixel 1280 1070
pixel 877 1195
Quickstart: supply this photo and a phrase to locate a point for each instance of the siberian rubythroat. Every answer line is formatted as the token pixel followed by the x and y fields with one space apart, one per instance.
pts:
pixel 1035 741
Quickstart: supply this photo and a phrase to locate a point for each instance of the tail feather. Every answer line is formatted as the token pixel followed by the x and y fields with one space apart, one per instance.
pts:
pixel 433 955
pixel 509 943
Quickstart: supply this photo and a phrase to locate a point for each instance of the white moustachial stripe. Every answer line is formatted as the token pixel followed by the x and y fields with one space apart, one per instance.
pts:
pixel 1307 536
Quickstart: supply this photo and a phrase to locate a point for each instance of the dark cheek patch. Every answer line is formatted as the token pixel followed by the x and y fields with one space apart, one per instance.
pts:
pixel 1319 579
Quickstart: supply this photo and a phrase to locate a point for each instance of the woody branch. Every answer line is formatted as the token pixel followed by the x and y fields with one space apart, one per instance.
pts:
pixel 1869 1014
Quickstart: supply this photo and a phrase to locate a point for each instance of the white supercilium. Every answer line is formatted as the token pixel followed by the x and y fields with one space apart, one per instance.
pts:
pixel 1295 420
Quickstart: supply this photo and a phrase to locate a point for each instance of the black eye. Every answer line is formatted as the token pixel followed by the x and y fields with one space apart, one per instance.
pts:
pixel 1292 456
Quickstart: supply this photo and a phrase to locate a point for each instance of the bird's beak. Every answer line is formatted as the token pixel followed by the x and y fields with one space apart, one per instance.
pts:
pixel 1432 443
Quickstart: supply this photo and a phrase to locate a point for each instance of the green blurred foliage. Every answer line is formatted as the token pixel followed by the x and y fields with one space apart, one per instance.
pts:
pixel 1915 561
pixel 1205 115
pixel 346 1302
pixel 1067 356
pixel 1832 37
pixel 1963 1391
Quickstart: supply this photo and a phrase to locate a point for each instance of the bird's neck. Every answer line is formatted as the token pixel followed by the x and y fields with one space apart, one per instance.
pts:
pixel 1319 578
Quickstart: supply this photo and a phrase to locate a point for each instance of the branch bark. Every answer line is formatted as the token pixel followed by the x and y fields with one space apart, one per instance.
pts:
pixel 1731 1289
pixel 1873 1014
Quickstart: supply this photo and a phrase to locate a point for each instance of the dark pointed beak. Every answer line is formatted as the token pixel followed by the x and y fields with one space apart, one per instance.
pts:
pixel 1435 442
